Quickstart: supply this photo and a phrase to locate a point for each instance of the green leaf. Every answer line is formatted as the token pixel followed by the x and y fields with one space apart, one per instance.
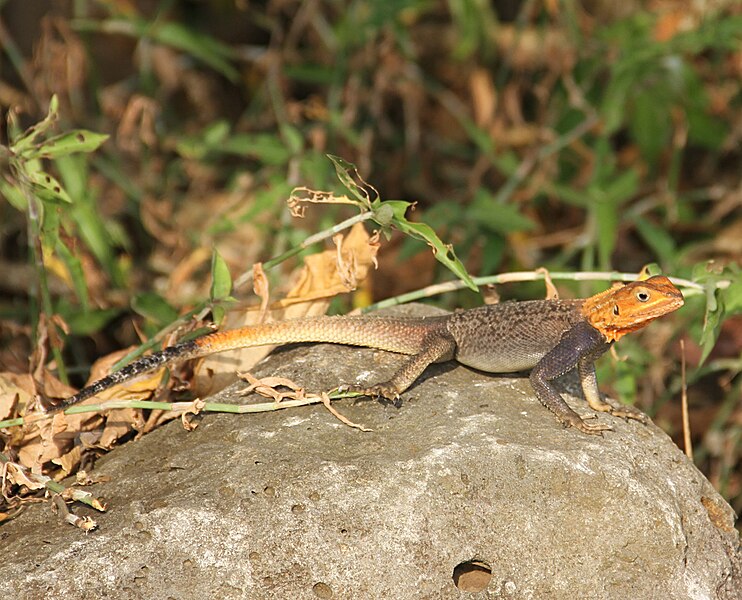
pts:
pixel 312 73
pixel 74 268
pixel 622 187
pixel 154 307
pixel 203 47
pixel 607 219
pixel 267 148
pixel 85 323
pixel 215 134
pixel 733 295
pixel 492 253
pixel 13 195
pixel 613 109
pixel 292 138
pixel 649 122
pixel 712 321
pixel 47 188
pixel 705 130
pixel 443 253
pixel 221 279
pixel 78 140
pixel 720 302
pixel 50 224
pixel 497 217
pixel 24 143
pixel 221 285
pixel 657 238
pixel 567 193
pixel 92 229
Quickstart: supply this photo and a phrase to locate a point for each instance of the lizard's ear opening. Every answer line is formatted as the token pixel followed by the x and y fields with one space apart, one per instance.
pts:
pixel 615 309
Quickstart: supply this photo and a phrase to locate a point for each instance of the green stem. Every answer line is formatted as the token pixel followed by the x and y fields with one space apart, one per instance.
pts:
pixel 450 286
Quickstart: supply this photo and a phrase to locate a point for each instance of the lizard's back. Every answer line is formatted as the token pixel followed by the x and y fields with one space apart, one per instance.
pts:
pixel 512 336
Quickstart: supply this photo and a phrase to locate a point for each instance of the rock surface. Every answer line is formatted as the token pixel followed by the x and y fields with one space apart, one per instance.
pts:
pixel 471 485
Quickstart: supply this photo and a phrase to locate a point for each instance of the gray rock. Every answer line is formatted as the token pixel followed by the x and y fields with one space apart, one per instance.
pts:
pixel 470 483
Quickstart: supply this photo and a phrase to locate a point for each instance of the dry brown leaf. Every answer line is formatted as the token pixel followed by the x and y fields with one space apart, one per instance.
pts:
pixel 137 125
pixel 261 288
pixel 301 195
pixel 155 419
pixel 118 424
pixel 533 47
pixel 68 462
pixel 16 393
pixel 188 418
pixel 484 96
pixel 44 441
pixel 323 276
pixel 342 418
pixel 267 387
pixel 180 409
pixel 552 293
pixel 19 475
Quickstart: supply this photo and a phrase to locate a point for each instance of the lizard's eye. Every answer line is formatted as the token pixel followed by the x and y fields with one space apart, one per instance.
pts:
pixel 642 296
pixel 615 309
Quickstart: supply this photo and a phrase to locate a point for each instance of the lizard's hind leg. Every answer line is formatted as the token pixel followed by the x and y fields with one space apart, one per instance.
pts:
pixel 436 347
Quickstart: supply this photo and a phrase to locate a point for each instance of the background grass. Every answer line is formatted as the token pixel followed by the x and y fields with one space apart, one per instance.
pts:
pixel 565 134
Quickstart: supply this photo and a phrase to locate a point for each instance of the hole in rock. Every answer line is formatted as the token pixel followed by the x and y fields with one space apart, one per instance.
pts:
pixel 472 575
pixel 322 590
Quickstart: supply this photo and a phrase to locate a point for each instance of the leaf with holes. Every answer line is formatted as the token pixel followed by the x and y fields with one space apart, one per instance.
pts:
pixel 47 188
pixel 79 140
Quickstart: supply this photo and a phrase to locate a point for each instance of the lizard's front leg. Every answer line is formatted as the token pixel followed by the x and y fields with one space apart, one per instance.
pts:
pixel 586 369
pixel 436 347
pixel 581 341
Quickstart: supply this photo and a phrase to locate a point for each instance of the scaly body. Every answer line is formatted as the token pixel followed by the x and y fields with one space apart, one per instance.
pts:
pixel 549 337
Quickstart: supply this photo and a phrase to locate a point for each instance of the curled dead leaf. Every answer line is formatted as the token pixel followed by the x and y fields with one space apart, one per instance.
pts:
pixel 323 276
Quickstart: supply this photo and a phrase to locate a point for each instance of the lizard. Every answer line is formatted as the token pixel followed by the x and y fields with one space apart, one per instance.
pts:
pixel 547 337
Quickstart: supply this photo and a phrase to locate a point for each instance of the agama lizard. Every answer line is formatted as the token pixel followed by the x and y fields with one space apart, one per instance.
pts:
pixel 550 337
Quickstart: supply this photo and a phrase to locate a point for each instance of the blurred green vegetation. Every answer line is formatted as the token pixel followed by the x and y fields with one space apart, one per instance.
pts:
pixel 569 135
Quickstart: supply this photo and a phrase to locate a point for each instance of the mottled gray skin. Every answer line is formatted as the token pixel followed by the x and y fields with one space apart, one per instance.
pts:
pixel 512 336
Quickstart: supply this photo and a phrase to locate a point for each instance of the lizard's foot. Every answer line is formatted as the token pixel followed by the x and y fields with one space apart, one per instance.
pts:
pixel 380 390
pixel 578 422
pixel 622 411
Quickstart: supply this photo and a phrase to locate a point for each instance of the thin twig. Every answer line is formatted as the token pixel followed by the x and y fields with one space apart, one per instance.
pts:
pixel 178 407
pixel 687 443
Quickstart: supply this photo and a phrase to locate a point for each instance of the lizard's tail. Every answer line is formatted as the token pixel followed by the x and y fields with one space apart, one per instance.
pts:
pixel 401 335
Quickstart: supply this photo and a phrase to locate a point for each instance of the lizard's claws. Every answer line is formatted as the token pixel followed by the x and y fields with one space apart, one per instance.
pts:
pixel 629 412
pixel 379 390
pixel 589 428
pixel 623 411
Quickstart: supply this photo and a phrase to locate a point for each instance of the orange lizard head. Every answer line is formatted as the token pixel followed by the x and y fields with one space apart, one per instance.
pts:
pixel 626 308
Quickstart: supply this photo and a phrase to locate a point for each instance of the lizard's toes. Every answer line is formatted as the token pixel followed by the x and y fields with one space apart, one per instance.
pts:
pixel 629 412
pixel 594 428
pixel 589 428
pixel 375 391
